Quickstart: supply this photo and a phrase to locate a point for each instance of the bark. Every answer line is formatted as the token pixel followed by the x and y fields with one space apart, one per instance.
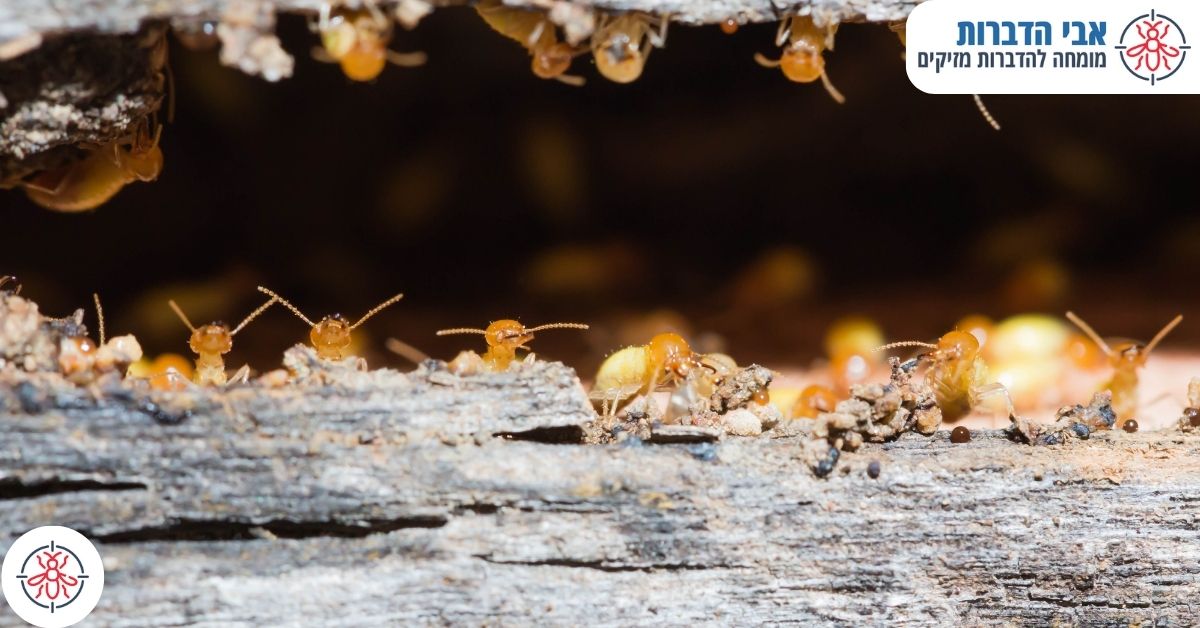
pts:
pixel 409 499
pixel 76 74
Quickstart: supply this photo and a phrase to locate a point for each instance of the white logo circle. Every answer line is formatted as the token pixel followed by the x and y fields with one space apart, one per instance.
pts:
pixel 52 577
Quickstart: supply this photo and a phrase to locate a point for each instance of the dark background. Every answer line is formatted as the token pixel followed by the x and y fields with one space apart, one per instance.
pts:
pixel 456 182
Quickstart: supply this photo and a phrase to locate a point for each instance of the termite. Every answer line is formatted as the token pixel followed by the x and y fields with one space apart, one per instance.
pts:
pixel 643 369
pixel 357 40
pixel 957 374
pixel 92 181
pixel 803 58
pixel 210 342
pixel 81 359
pixel 1125 358
pixel 534 31
pixel 729 26
pixel 622 43
pixel 331 336
pixel 504 338
pixel 814 400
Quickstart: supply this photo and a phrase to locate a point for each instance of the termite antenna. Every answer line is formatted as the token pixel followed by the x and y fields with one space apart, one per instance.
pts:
pixel 406 351
pixel 833 91
pixel 377 309
pixel 1163 333
pixel 253 315
pixel 461 330
pixel 762 60
pixel 100 316
pixel 557 326
pixel 983 110
pixel 904 343
pixel 1091 333
pixel 288 305
pixel 183 317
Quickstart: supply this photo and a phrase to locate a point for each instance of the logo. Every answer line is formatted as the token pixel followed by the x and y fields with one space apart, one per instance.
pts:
pixel 52 577
pixel 1152 47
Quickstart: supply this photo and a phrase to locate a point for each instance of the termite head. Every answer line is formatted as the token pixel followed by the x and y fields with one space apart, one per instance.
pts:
pixel 1128 353
pixel 143 159
pixel 76 355
pixel 552 61
pixel 331 336
pixel 211 338
pixel 958 344
pixel 620 56
pixel 358 41
pixel 507 333
pixel 802 63
pixel 674 354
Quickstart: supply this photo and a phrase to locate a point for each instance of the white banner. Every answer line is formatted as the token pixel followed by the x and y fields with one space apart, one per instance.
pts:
pixel 1053 47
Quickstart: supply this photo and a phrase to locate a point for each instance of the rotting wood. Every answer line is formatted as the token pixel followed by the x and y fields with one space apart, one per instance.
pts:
pixel 332 494
pixel 76 72
pixel 324 513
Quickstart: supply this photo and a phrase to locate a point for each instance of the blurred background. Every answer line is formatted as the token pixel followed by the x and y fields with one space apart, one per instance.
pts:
pixel 711 196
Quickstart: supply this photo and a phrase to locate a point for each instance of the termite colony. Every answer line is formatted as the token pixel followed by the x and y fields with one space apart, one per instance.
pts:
pixel 644 390
pixel 356 36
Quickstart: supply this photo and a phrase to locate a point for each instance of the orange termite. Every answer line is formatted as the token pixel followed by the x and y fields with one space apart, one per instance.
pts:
pixel 505 337
pixel 1125 358
pixel 803 58
pixel 622 43
pixel 209 342
pixel 331 336
pixel 957 373
pixel 533 30
pixel 357 40
pixel 92 181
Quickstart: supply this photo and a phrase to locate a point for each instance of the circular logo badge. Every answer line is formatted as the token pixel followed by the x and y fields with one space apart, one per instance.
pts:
pixel 1153 47
pixel 52 577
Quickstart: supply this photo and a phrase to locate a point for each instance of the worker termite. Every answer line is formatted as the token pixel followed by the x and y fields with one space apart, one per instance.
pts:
pixel 957 374
pixel 81 360
pixel 210 342
pixel 803 58
pixel 814 400
pixel 331 336
pixel 1125 358
pixel 643 369
pixel 357 40
pixel 622 43
pixel 92 181
pixel 534 31
pixel 504 338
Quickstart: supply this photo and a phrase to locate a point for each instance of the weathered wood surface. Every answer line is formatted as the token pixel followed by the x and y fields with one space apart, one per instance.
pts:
pixel 24 20
pixel 380 509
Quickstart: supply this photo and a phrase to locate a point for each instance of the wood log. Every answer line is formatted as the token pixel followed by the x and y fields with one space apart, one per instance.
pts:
pixel 408 499
pixel 84 73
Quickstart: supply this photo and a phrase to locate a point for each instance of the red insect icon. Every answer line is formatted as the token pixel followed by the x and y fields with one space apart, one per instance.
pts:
pixel 1152 52
pixel 52 583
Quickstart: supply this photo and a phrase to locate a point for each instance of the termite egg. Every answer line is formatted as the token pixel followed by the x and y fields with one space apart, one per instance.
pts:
pixel 960 435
